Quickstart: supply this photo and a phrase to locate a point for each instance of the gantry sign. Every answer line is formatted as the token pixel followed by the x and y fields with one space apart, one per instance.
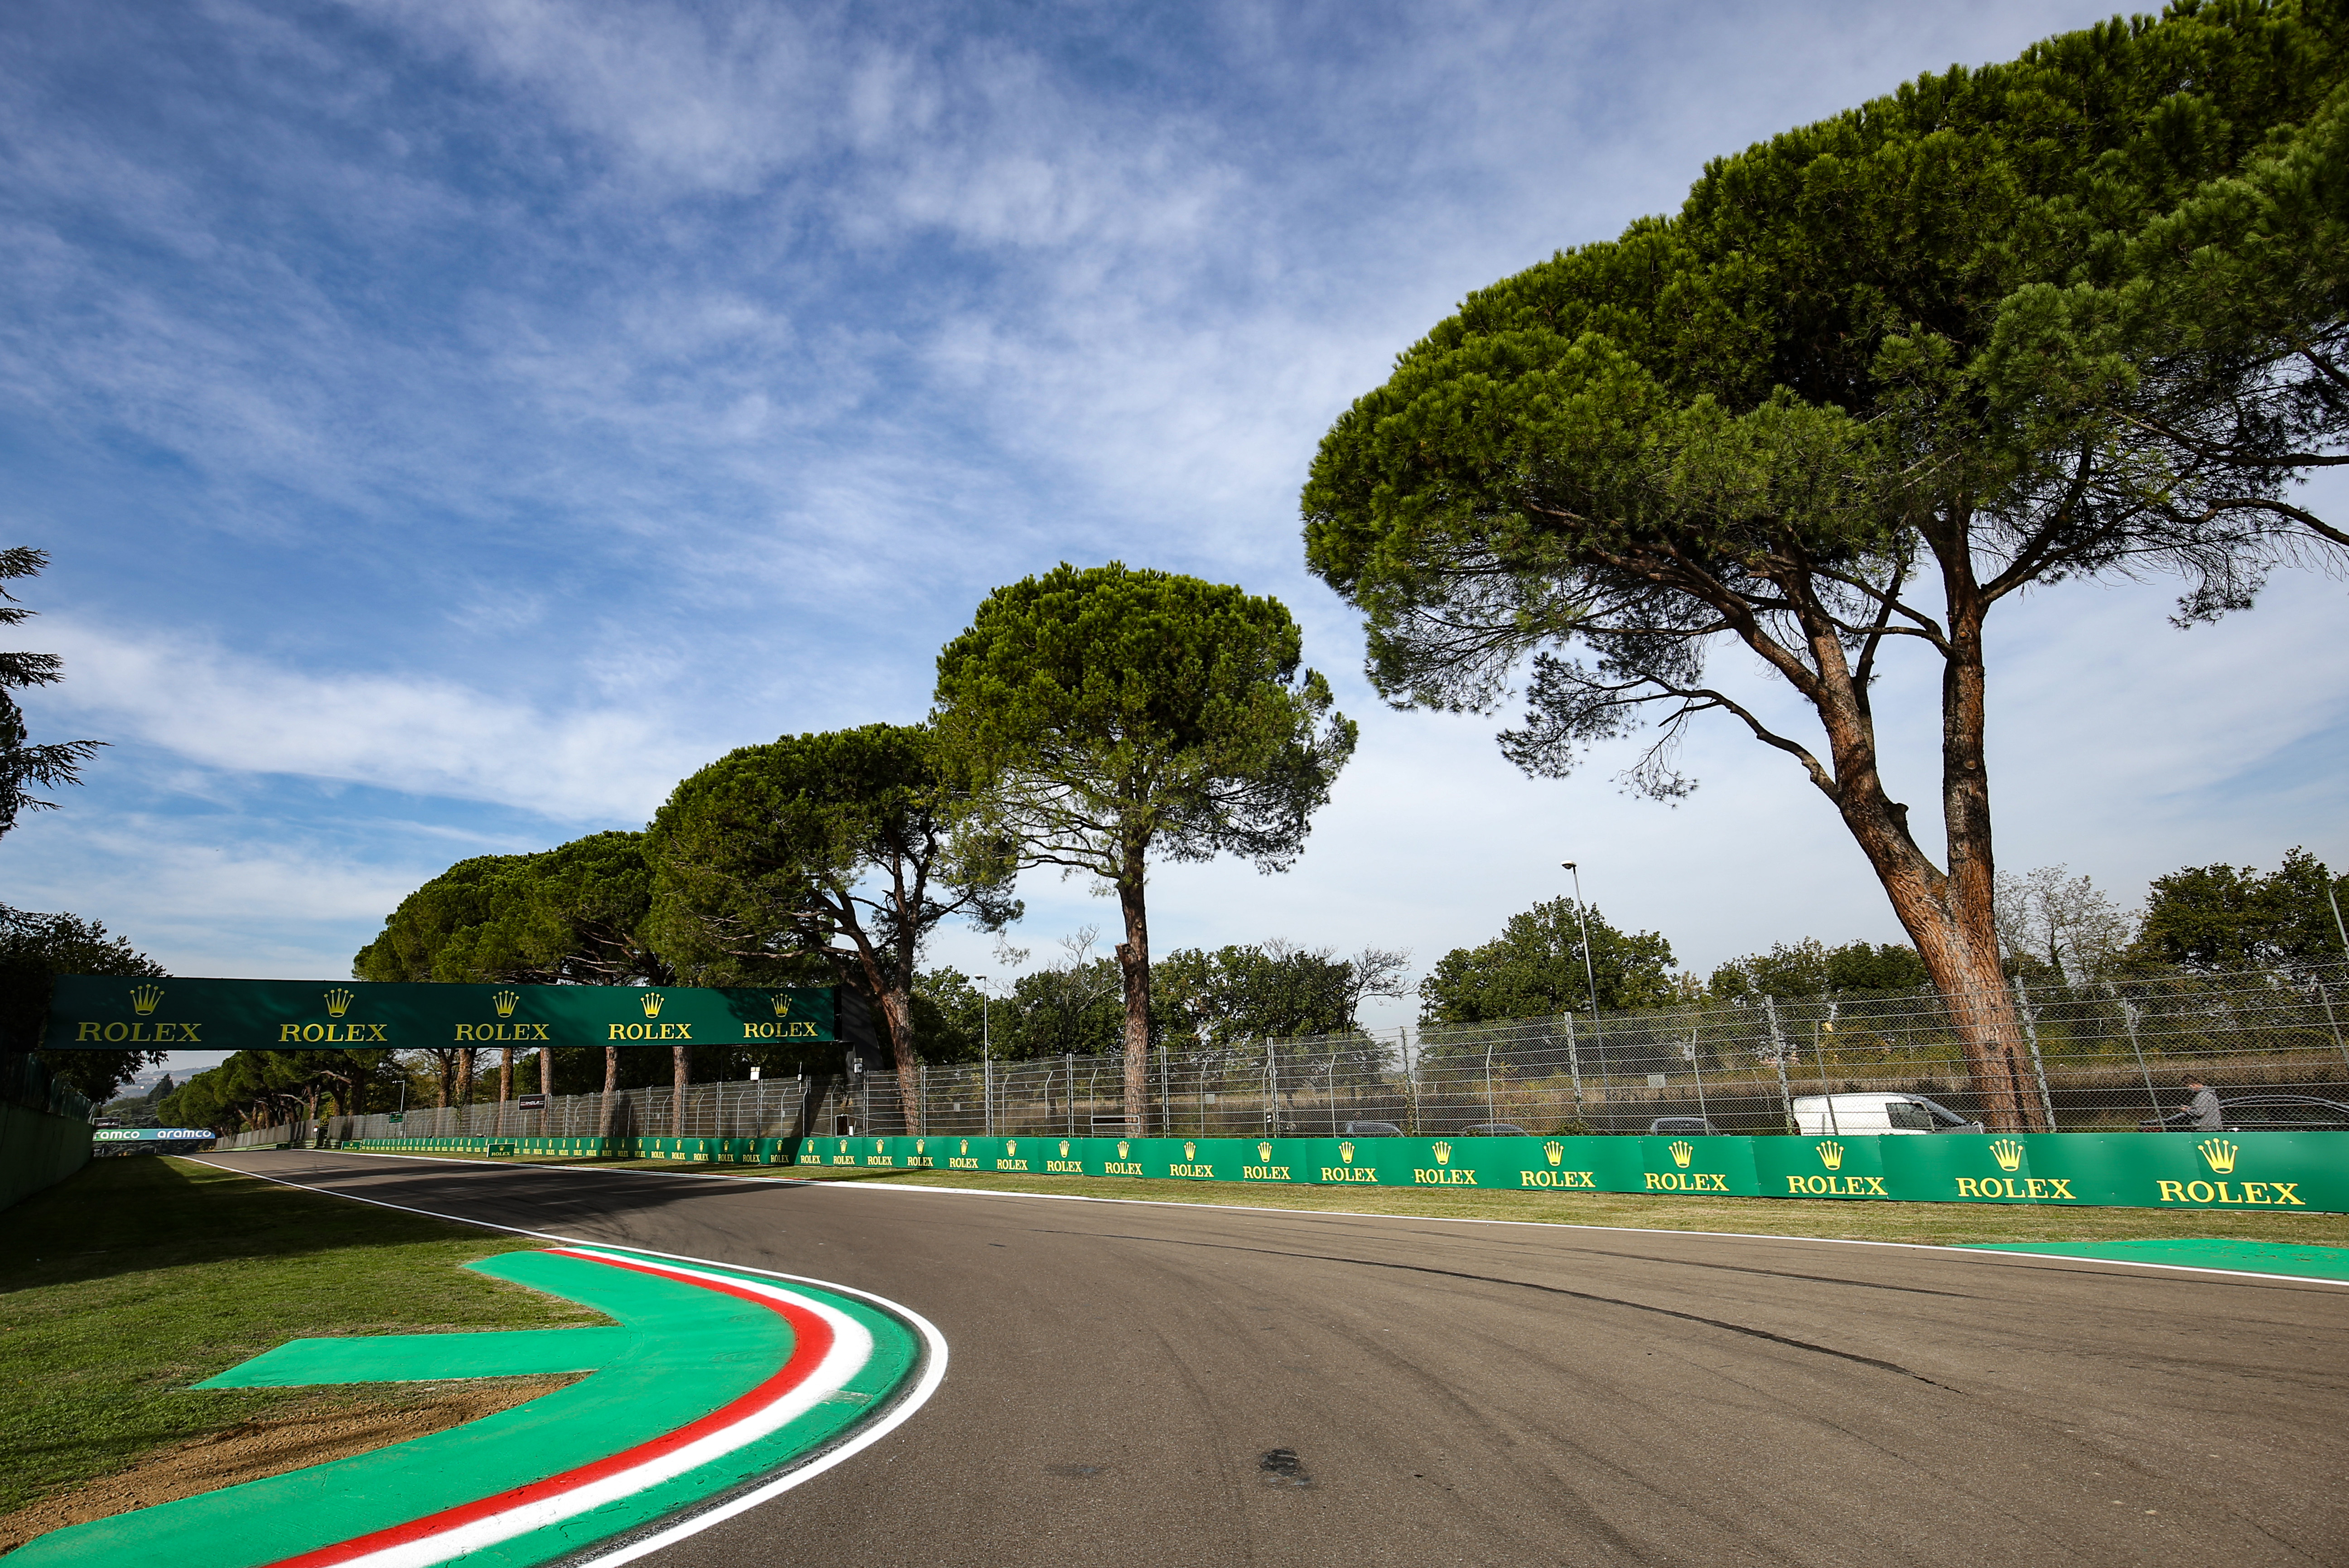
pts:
pixel 113 1013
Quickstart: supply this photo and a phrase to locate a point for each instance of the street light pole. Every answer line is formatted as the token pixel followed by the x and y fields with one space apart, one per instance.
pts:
pixel 1589 974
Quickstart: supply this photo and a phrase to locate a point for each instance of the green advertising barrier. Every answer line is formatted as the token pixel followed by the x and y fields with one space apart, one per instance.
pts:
pixel 2308 1172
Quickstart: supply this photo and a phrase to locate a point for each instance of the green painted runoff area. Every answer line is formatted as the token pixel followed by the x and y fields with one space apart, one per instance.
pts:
pixel 682 1352
pixel 2199 1252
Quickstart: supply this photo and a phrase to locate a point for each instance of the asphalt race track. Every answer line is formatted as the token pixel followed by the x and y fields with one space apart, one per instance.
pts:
pixel 1492 1394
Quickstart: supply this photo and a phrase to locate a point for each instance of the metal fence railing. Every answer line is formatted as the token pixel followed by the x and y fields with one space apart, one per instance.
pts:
pixel 25 1081
pixel 2103 1054
pixel 772 1107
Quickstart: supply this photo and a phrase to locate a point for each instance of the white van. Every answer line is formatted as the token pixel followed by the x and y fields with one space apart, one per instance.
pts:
pixel 1817 1116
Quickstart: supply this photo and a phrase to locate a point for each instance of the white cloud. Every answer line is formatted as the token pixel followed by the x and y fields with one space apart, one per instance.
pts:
pixel 426 735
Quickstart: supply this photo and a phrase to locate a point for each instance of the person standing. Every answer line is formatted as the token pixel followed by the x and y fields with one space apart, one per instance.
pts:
pixel 2202 1110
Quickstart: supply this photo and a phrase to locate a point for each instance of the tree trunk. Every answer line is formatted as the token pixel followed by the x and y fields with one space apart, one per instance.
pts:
pixel 897 1010
pixel 1948 915
pixel 611 1086
pixel 505 1079
pixel 445 1062
pixel 545 1086
pixel 676 1076
pixel 1133 967
pixel 464 1088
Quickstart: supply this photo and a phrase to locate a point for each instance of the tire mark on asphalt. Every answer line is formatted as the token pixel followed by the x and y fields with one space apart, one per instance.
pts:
pixel 1746 1329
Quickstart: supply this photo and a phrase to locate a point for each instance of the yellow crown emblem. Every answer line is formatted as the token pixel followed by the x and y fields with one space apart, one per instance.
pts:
pixel 1064 1148
pixel 504 1002
pixel 843 1145
pixel 1443 1154
pixel 144 998
pixel 1681 1153
pixel 783 1002
pixel 1190 1151
pixel 920 1144
pixel 1346 1152
pixel 1831 1155
pixel 964 1148
pixel 879 1144
pixel 1554 1150
pixel 652 1003
pixel 1264 1152
pixel 1011 1146
pixel 338 1002
pixel 1122 1147
pixel 2007 1152
pixel 2219 1154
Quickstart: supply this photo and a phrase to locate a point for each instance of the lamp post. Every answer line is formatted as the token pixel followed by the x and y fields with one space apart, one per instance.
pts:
pixel 1589 974
pixel 985 1055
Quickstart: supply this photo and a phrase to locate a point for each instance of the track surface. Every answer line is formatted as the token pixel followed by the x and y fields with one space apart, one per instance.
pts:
pixel 1494 1394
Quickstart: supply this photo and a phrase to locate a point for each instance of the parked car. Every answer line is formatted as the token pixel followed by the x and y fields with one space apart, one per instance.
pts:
pixel 1493 1129
pixel 2265 1113
pixel 1818 1115
pixel 1371 1129
pixel 1697 1125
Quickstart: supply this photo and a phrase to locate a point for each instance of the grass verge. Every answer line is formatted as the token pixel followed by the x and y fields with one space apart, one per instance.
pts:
pixel 124 1285
pixel 1939 1224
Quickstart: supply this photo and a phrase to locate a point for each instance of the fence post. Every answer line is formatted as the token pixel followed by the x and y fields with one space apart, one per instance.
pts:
pixel 1492 1113
pixel 1574 1066
pixel 2326 997
pixel 2128 1021
pixel 1779 1055
pixel 1696 1065
pixel 2031 1033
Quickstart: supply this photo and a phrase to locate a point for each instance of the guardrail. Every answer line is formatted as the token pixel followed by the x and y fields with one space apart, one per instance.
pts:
pixel 2292 1172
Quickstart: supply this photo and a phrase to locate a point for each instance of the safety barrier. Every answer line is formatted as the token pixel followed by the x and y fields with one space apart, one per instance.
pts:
pixel 731 1150
pixel 2304 1172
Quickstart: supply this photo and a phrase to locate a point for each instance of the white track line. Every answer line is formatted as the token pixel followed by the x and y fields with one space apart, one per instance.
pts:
pixel 934 1368
pixel 1978 1254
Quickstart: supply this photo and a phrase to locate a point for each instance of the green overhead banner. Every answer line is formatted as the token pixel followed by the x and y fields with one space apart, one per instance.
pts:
pixel 113 1012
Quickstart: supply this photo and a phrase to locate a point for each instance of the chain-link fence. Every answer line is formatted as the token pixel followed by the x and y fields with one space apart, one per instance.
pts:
pixel 773 1108
pixel 25 1081
pixel 2101 1055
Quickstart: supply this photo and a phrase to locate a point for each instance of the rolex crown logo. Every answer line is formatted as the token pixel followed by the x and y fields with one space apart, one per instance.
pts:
pixel 843 1145
pixel 920 1144
pixel 2007 1152
pixel 1831 1154
pixel 783 1002
pixel 1011 1146
pixel 1443 1154
pixel 1681 1152
pixel 504 1002
pixel 1064 1148
pixel 1264 1152
pixel 652 1003
pixel 1122 1147
pixel 964 1148
pixel 338 1002
pixel 1190 1151
pixel 1346 1152
pixel 879 1144
pixel 1554 1151
pixel 2220 1155
pixel 144 998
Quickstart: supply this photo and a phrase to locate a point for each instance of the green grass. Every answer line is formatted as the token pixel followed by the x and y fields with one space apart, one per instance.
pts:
pixel 1943 1224
pixel 135 1278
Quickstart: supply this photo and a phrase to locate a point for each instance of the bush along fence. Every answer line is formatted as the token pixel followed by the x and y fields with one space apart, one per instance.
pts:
pixel 2292 1172
pixel 44 1129
pixel 702 1151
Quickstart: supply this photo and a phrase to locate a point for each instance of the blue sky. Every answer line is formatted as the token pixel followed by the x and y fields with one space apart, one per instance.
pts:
pixel 454 422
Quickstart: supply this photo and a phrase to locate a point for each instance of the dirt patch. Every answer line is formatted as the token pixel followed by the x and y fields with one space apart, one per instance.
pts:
pixel 312 1432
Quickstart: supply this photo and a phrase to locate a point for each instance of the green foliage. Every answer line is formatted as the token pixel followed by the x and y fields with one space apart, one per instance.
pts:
pixel 22 764
pixel 2228 917
pixel 33 948
pixel 1272 990
pixel 571 915
pixel 1535 970
pixel 1809 968
pixel 261 1088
